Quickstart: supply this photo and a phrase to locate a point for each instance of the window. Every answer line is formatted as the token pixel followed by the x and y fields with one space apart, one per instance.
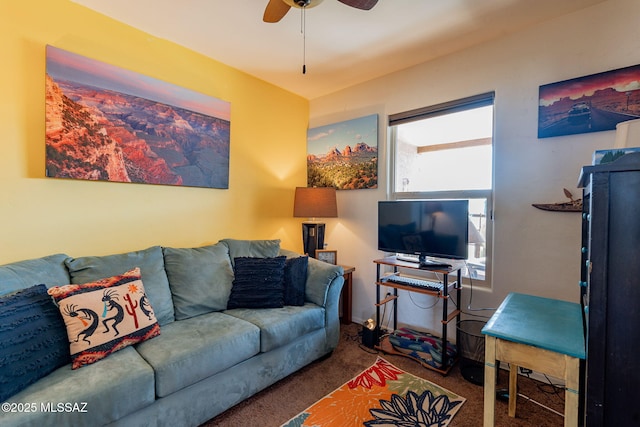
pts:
pixel 446 152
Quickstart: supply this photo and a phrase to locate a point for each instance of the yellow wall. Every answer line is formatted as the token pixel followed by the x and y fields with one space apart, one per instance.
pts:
pixel 40 215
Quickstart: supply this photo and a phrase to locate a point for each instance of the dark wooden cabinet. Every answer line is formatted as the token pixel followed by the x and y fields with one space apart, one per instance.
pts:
pixel 610 291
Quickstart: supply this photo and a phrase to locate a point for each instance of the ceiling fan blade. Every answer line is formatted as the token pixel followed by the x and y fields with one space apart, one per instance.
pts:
pixel 360 4
pixel 275 11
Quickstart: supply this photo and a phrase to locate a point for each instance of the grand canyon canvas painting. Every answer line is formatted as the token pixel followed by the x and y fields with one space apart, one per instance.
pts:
pixel 110 124
pixel 344 155
pixel 589 104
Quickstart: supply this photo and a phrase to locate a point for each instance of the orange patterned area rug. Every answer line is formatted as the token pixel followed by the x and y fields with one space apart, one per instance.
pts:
pixel 382 395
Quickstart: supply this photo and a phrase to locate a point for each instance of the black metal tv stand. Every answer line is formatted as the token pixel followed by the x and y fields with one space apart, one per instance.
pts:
pixel 447 317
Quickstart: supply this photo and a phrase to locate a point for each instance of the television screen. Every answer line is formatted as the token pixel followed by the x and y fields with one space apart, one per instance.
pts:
pixel 427 228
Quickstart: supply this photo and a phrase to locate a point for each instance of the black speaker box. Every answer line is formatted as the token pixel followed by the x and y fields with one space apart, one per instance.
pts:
pixel 370 337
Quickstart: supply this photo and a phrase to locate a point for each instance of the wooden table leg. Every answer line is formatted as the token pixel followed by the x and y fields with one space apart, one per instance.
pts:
pixel 513 388
pixel 571 393
pixel 489 380
pixel 347 289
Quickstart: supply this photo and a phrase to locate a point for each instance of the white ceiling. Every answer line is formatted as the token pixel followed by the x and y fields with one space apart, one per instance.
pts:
pixel 344 46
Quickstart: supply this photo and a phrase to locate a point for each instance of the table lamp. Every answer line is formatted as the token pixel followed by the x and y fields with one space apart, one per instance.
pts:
pixel 627 134
pixel 313 203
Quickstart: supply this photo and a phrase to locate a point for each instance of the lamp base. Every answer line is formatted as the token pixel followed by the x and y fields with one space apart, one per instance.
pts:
pixel 312 237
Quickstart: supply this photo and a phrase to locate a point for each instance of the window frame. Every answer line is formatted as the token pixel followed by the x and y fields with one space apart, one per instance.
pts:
pixel 445 108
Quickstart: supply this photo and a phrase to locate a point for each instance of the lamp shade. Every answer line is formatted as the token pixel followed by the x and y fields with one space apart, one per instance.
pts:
pixel 627 134
pixel 315 202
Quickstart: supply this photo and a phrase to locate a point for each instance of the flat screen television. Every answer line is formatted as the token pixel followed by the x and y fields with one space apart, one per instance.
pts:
pixel 427 228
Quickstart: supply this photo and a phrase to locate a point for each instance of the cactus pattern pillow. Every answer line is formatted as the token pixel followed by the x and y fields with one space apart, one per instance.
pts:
pixel 105 316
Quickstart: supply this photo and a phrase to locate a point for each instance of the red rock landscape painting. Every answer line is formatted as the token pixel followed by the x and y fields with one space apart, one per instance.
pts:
pixel 110 124
pixel 344 155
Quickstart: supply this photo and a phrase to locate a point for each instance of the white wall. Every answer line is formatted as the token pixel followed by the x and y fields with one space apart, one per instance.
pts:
pixel 535 252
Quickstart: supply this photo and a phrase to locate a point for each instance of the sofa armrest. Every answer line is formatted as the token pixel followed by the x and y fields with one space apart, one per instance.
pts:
pixel 321 278
pixel 323 287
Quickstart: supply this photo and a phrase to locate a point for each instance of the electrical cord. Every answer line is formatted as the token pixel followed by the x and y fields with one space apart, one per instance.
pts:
pixel 555 390
pixel 435 302
pixel 352 337
pixel 367 349
pixel 458 304
pixel 389 318
pixel 358 337
pixel 471 294
pixel 541 405
pixel 384 312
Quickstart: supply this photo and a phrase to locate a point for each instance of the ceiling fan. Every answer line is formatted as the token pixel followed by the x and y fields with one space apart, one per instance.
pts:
pixel 277 9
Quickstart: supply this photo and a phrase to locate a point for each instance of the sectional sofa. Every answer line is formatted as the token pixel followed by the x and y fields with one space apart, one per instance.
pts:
pixel 213 326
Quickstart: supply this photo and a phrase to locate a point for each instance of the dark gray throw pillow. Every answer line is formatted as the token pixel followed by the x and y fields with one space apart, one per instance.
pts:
pixel 34 339
pixel 295 280
pixel 258 283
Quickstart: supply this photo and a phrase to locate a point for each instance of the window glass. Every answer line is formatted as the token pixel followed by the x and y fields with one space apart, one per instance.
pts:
pixel 446 152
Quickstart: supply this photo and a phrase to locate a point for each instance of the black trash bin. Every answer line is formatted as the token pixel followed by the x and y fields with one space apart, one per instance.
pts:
pixel 471 350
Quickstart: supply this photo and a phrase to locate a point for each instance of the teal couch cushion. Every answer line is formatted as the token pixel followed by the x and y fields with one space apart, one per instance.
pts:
pixel 151 262
pixel 200 279
pixel 193 349
pixel 280 326
pixel 252 248
pixel 111 388
pixel 50 270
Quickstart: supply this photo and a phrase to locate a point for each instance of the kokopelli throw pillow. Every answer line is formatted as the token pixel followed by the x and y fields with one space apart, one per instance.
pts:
pixel 105 316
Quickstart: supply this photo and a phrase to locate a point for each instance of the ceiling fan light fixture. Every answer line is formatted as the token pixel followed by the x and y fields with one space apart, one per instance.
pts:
pixel 300 4
pixel 277 9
